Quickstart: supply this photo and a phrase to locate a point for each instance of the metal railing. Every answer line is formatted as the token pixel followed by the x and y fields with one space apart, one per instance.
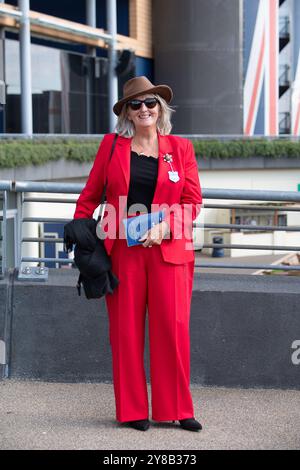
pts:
pixel 20 190
pixel 253 195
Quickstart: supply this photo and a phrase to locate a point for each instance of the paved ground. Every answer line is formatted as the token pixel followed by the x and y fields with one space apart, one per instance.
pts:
pixel 41 415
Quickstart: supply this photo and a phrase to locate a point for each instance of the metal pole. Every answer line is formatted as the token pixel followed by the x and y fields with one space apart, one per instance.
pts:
pixel 91 20
pixel 25 68
pixel 2 77
pixel 111 7
pixel 19 222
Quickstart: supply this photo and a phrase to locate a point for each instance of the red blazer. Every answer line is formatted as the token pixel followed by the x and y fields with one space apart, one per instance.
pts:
pixel 186 191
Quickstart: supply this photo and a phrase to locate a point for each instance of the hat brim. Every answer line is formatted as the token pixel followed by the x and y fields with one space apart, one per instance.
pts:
pixel 163 90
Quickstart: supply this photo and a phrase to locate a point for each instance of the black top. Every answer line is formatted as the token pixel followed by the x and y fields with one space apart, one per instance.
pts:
pixel 143 177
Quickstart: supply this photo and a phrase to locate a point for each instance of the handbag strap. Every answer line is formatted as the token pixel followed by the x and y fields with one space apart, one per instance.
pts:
pixel 104 189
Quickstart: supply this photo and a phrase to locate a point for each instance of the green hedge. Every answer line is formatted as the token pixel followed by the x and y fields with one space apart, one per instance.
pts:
pixel 247 148
pixel 15 153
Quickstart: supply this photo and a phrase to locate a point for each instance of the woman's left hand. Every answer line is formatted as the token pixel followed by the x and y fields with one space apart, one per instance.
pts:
pixel 156 234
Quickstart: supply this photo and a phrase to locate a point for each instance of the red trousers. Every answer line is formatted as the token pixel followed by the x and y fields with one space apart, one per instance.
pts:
pixel 165 290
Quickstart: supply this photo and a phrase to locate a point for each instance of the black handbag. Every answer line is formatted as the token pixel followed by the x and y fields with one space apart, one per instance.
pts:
pixel 90 256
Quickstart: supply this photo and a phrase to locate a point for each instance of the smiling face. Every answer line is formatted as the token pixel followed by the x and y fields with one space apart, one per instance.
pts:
pixel 144 117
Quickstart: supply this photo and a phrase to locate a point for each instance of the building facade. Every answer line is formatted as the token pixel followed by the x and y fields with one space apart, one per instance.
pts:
pixel 70 69
pixel 272 67
pixel 233 65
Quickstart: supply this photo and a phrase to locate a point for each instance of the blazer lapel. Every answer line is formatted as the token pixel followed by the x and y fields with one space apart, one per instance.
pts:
pixel 123 150
pixel 165 146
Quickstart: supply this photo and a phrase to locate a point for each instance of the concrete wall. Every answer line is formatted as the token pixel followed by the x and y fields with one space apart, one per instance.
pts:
pixel 242 331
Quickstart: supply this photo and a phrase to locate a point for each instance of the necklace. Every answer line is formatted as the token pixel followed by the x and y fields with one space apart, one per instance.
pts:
pixel 142 152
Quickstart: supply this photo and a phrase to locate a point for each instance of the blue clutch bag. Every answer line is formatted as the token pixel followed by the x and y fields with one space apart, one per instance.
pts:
pixel 135 227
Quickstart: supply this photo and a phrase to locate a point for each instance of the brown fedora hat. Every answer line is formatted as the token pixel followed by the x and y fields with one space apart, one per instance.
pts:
pixel 140 86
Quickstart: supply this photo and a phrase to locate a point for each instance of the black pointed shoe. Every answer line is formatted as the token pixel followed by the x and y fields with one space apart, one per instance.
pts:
pixel 190 424
pixel 141 424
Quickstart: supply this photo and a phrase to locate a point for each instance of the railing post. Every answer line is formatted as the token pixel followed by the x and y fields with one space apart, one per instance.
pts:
pixel 4 232
pixel 19 229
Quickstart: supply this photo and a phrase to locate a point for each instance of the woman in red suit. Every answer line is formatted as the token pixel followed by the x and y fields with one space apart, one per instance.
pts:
pixel 149 170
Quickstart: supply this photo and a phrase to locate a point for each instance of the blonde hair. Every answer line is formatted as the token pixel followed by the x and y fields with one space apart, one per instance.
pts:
pixel 125 127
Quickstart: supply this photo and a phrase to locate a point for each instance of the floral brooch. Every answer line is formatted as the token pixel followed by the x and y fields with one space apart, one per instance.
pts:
pixel 168 157
pixel 173 175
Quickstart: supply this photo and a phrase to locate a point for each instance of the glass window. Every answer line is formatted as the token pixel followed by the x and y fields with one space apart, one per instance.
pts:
pixel 69 91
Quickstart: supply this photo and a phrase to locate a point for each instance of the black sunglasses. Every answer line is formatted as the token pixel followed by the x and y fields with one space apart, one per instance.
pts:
pixel 136 104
